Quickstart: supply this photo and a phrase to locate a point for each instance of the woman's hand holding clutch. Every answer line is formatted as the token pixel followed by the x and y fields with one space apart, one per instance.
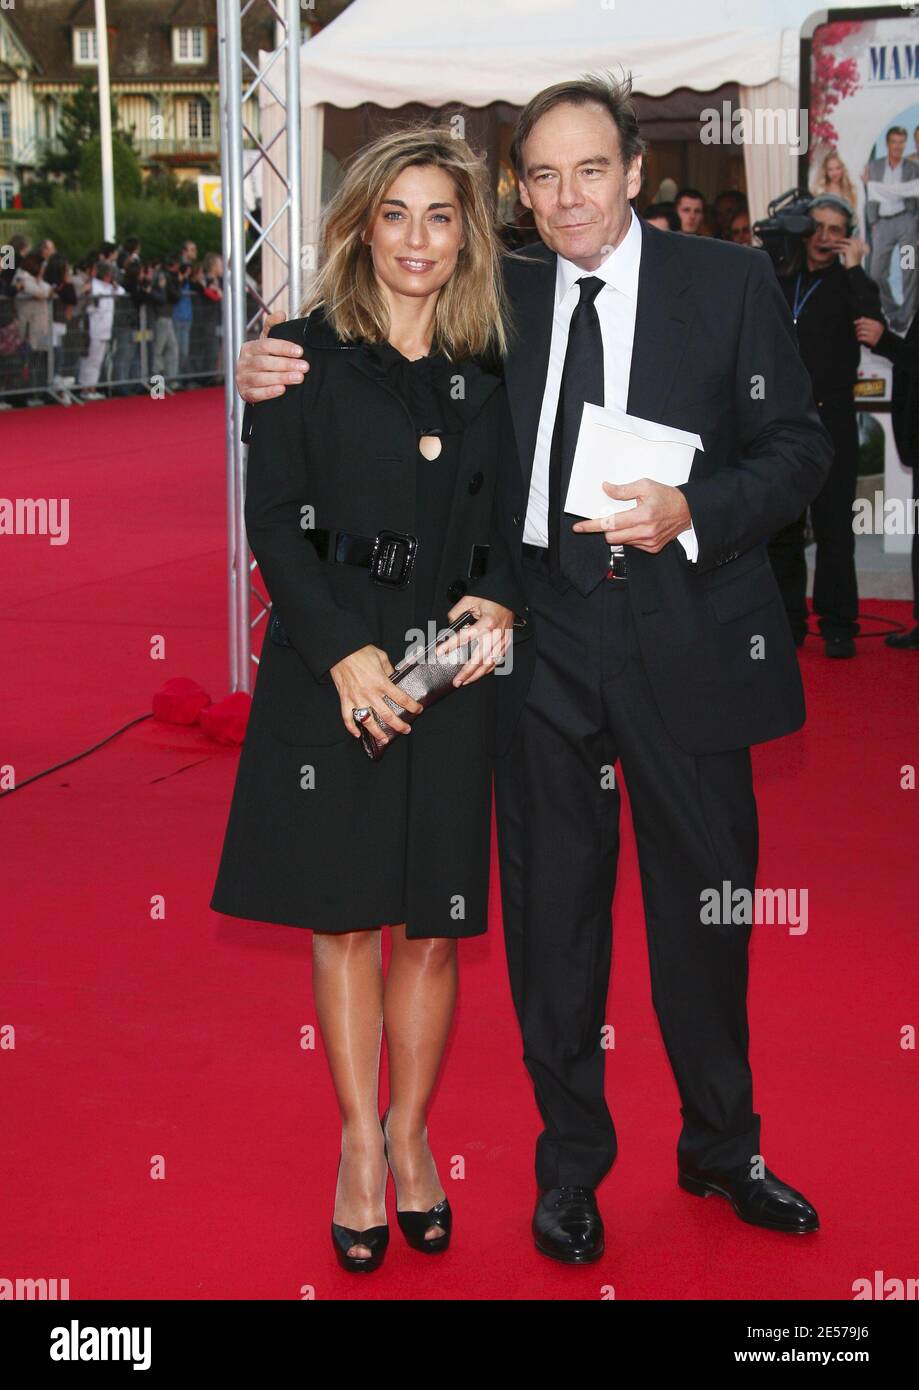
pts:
pixel 492 634
pixel 362 681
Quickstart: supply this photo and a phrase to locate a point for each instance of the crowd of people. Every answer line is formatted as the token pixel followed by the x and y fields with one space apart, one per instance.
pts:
pixel 107 324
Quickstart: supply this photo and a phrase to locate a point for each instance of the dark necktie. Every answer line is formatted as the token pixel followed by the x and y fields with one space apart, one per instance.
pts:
pixel 578 558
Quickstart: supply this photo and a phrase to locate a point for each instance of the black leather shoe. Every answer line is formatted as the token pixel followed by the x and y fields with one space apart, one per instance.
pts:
pixel 839 646
pixel 906 641
pixel 567 1225
pixel 763 1201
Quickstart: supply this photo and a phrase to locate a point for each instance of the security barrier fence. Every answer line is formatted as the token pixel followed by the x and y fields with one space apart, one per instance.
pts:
pixel 105 345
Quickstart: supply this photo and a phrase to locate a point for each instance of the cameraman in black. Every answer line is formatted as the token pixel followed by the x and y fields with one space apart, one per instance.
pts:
pixel 827 290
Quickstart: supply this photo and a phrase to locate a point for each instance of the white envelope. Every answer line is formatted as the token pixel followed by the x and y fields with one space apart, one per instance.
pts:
pixel 614 447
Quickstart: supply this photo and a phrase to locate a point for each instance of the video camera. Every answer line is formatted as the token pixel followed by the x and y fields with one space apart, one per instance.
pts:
pixel 788 225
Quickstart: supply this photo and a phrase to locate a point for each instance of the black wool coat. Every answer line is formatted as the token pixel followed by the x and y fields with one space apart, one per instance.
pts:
pixel 318 835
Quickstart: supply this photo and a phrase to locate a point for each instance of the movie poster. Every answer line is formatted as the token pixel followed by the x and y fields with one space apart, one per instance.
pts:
pixel 863 104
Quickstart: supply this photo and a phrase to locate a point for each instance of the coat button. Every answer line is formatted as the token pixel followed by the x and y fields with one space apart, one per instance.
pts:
pixel 516 518
pixel 456 590
pixel 475 482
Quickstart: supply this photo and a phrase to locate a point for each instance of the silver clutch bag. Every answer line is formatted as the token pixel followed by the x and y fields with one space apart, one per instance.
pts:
pixel 427 677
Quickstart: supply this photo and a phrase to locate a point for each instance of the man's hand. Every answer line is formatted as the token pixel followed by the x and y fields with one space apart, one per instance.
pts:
pixel 661 515
pixel 362 680
pixel 492 632
pixel 267 366
pixel 853 251
pixel 868 331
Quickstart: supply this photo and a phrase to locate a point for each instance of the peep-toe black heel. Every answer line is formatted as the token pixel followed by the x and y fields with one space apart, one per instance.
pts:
pixel 414 1224
pixel 375 1238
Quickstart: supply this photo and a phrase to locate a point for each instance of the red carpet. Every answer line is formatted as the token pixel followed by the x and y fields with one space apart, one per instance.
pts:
pixel 173 1046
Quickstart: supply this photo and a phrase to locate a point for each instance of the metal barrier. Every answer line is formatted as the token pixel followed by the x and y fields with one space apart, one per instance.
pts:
pixel 109 345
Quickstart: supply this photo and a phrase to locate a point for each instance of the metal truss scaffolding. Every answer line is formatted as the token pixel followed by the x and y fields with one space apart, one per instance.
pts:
pixel 248 81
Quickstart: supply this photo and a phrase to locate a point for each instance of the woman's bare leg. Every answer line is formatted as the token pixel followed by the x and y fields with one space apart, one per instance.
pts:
pixel 418 1003
pixel 348 989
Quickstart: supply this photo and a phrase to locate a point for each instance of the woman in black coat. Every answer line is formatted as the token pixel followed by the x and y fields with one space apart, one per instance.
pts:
pixel 370 510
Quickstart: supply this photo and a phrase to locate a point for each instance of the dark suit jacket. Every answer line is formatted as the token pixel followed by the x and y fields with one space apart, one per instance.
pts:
pixel 715 353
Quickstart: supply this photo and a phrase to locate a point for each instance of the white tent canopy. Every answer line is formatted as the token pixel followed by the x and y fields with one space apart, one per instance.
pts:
pixel 392 52
pixel 480 51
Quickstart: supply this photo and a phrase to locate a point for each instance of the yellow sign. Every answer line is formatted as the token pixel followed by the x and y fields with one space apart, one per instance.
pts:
pixel 210 194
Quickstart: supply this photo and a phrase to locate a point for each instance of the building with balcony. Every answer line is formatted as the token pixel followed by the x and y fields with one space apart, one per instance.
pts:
pixel 163 72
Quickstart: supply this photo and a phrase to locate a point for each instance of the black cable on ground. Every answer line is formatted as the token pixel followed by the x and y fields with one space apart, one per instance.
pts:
pixel 77 756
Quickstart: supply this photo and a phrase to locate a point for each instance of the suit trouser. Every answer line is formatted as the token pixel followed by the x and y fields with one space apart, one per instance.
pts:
pixel 835 579
pixel 888 234
pixel 695 821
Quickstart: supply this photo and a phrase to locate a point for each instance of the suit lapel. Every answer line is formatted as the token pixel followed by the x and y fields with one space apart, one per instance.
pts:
pixel 662 322
pixel 531 289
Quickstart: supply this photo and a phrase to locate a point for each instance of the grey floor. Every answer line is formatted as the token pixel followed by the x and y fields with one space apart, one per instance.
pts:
pixel 879 575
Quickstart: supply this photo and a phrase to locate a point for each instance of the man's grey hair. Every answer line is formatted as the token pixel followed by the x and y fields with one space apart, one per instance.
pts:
pixel 601 89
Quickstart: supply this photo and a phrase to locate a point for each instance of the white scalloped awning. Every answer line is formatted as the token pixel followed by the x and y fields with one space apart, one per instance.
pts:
pixel 479 51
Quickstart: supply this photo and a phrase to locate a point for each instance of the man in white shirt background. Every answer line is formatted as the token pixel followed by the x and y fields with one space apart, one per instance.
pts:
pixel 100 314
pixel 892 225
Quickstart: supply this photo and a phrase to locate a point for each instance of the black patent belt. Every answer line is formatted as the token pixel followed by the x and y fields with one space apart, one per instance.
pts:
pixel 389 555
pixel 537 557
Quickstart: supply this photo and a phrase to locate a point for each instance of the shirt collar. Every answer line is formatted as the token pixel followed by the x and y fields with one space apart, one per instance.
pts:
pixel 620 269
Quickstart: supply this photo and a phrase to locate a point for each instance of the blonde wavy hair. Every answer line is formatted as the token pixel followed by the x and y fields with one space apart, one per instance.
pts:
pixel 822 181
pixel 470 318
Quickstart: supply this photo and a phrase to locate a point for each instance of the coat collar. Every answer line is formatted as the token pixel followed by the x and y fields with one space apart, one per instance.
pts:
pixel 662 321
pixel 471 382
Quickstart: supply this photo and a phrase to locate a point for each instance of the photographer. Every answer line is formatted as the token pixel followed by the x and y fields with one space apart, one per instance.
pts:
pixel 827 291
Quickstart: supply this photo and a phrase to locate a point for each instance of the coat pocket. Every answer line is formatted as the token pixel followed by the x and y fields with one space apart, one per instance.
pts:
pixel 743 593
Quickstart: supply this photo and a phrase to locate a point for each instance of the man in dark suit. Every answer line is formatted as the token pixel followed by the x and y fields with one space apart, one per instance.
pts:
pixel 660 643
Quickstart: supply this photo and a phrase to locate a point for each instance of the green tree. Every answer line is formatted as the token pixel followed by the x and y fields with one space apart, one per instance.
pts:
pixel 79 124
pixel 126 174
pixel 161 183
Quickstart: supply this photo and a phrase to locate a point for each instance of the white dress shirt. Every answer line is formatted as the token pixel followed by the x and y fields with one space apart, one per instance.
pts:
pixel 893 173
pixel 616 305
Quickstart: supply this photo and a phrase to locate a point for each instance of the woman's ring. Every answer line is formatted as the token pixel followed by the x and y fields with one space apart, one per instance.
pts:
pixel 360 715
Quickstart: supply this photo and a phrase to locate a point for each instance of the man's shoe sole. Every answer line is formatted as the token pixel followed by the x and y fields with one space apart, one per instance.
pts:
pixel 707 1189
